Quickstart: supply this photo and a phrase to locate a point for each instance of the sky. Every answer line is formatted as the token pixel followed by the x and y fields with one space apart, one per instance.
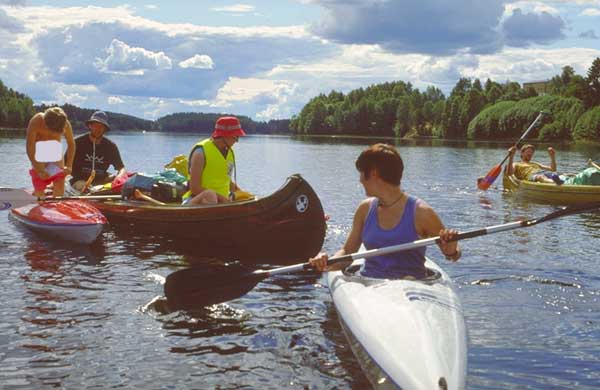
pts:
pixel 267 59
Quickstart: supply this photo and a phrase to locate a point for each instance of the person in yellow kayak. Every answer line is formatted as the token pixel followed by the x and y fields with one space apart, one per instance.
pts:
pixel 211 164
pixel 43 143
pixel 390 216
pixel 95 154
pixel 529 170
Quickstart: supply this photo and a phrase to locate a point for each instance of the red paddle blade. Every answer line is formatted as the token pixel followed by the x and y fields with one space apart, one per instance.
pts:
pixel 484 183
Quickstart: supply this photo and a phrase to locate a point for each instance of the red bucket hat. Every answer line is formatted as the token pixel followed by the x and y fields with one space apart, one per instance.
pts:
pixel 228 126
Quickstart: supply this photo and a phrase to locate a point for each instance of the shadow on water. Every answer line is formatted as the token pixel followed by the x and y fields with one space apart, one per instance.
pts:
pixel 332 330
pixel 146 245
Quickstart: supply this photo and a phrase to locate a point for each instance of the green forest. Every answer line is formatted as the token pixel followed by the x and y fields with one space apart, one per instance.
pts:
pixel 473 110
pixel 16 109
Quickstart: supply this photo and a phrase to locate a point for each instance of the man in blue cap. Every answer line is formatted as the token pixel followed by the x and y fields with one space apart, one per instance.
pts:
pixel 94 154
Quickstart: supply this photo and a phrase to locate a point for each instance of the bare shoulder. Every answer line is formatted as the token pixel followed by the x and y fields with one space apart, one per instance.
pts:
pixel 364 205
pixel 427 222
pixel 36 120
pixel 363 209
pixel 423 209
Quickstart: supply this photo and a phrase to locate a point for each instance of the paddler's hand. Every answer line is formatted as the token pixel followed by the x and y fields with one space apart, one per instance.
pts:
pixel 449 248
pixel 512 150
pixel 67 170
pixel 319 262
pixel 551 152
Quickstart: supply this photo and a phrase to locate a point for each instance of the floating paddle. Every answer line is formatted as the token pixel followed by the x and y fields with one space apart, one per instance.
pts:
pixel 197 287
pixel 13 198
pixel 486 182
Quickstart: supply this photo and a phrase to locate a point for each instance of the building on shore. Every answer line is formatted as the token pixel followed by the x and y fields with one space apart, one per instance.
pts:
pixel 541 87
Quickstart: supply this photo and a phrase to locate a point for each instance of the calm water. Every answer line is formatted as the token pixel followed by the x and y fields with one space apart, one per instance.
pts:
pixel 90 317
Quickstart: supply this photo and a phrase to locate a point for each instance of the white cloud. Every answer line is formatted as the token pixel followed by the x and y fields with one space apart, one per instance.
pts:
pixel 115 100
pixel 236 8
pixel 195 103
pixel 244 90
pixel 199 61
pixel 124 59
pixel 151 6
pixel 590 12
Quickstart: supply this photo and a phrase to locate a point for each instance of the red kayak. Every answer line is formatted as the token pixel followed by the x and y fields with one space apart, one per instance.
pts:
pixel 69 220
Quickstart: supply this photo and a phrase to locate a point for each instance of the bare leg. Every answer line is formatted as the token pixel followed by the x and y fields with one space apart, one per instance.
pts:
pixel 205 197
pixel 59 187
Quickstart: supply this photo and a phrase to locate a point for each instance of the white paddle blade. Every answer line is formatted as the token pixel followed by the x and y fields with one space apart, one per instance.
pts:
pixel 11 198
pixel 48 151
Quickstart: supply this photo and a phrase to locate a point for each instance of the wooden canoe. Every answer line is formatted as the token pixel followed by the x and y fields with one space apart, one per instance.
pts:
pixel 286 226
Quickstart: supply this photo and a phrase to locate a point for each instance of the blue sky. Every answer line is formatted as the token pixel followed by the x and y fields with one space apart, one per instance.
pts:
pixel 266 59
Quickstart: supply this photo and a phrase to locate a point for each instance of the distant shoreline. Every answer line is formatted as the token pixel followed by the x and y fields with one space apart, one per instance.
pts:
pixel 6 132
pixel 12 132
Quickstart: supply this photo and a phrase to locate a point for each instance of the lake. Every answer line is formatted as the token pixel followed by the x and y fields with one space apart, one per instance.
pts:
pixel 85 317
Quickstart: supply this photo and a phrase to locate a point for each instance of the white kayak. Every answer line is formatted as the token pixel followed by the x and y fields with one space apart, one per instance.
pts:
pixel 407 334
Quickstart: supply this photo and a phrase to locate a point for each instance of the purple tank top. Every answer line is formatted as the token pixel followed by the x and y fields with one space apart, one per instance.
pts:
pixel 399 264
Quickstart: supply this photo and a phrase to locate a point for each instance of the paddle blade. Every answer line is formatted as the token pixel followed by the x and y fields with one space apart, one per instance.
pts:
pixel 11 198
pixel 485 183
pixel 197 287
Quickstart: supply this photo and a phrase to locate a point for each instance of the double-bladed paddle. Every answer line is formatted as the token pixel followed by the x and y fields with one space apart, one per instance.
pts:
pixel 13 197
pixel 486 182
pixel 197 287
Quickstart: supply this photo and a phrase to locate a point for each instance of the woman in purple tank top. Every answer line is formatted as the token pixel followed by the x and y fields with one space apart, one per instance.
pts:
pixel 390 216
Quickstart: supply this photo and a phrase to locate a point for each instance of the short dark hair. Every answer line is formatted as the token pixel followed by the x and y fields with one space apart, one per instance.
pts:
pixel 55 118
pixel 383 157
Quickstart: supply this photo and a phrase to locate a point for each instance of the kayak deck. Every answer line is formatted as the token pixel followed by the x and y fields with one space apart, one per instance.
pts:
pixel 69 220
pixel 406 334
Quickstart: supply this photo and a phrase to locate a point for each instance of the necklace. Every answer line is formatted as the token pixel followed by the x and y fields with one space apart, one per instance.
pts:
pixel 393 203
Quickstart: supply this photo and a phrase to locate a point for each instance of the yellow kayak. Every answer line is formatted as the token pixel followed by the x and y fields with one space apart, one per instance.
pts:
pixel 551 193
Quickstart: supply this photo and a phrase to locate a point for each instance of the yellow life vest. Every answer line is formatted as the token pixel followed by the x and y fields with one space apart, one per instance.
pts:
pixel 216 174
pixel 523 170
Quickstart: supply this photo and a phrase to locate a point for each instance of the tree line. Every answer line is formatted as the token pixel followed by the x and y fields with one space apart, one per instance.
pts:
pixel 16 109
pixel 473 110
pixel 198 122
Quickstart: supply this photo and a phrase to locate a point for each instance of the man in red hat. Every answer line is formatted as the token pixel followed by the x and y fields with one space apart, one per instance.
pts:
pixel 212 162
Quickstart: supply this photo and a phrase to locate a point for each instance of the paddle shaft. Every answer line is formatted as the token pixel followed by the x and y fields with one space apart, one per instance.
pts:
pixel 435 240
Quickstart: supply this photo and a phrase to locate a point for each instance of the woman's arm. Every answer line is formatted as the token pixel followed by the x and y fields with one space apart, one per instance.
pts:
pixel 352 244
pixel 429 224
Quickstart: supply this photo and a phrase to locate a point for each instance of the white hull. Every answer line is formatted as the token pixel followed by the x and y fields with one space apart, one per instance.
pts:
pixel 405 334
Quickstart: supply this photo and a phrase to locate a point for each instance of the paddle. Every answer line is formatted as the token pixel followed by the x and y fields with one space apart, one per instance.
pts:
pixel 197 287
pixel 484 183
pixel 13 198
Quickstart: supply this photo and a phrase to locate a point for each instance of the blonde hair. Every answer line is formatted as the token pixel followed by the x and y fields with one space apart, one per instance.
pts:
pixel 55 118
